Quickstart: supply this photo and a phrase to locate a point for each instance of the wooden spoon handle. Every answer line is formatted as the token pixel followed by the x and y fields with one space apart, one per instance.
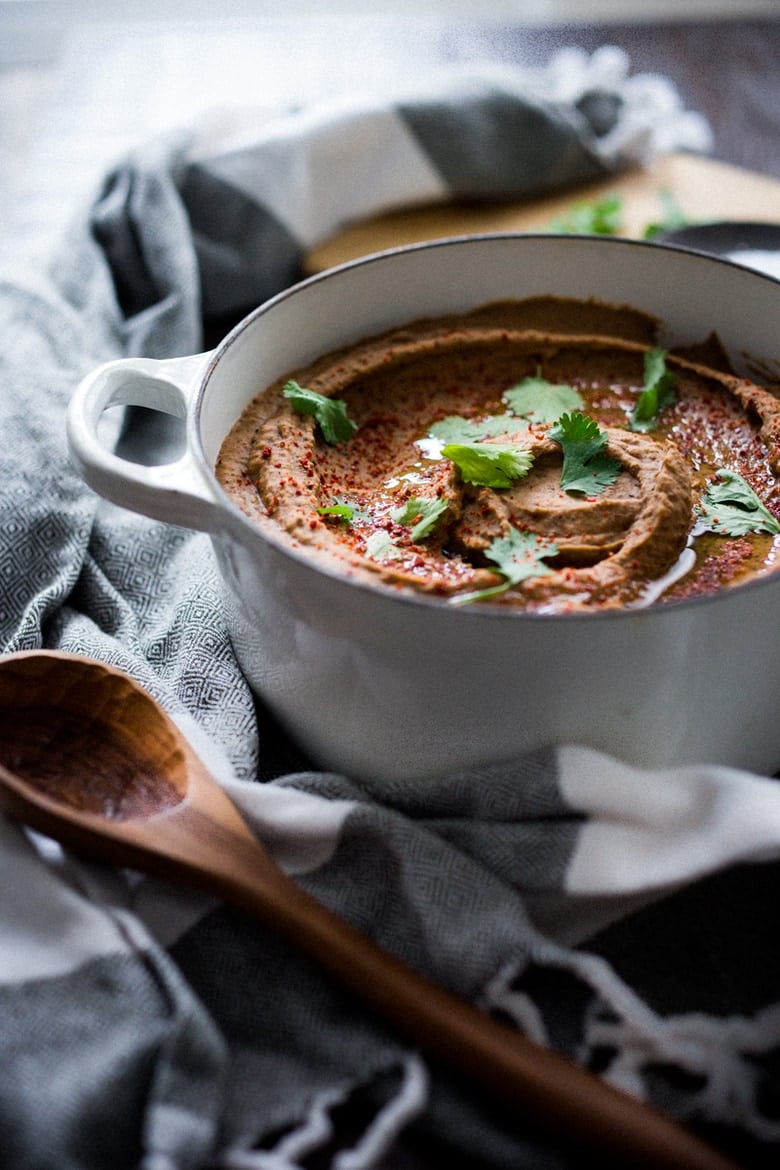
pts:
pixel 217 853
pixel 577 1107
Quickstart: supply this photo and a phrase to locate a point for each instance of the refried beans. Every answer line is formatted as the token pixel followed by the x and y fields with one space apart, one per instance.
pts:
pixel 545 455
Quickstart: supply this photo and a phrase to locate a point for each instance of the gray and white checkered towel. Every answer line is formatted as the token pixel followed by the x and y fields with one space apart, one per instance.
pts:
pixel 627 920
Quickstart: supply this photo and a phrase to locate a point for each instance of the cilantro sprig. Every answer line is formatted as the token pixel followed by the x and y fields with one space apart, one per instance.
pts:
pixel 672 216
pixel 604 217
pixel 600 217
pixel 532 400
pixel 587 468
pixel 380 546
pixel 730 507
pixel 495 465
pixel 345 510
pixel 329 413
pixel 517 556
pixel 456 429
pixel 541 401
pixel 420 515
pixel 658 392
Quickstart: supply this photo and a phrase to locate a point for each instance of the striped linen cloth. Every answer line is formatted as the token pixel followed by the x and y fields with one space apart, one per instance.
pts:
pixel 626 919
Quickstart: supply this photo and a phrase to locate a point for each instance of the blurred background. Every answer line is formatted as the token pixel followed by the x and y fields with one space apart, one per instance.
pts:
pixel 82 81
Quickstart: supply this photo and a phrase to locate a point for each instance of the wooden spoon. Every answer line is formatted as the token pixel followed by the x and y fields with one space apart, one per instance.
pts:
pixel 89 759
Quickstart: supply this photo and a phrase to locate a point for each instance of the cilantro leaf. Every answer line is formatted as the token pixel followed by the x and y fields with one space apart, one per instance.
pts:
pixel 421 515
pixel 518 556
pixel 731 507
pixel 541 401
pixel 350 512
pixel 657 394
pixel 456 429
pixel 345 511
pixel 672 217
pixel 494 465
pixel 329 413
pixel 587 468
pixel 601 217
pixel 380 547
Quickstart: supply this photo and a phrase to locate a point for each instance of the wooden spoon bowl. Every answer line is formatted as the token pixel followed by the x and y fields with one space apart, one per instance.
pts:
pixel 89 739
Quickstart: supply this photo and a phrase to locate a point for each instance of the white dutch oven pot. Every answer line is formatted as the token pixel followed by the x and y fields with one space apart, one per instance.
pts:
pixel 372 683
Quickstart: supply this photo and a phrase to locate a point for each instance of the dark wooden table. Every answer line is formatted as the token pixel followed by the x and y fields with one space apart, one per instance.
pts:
pixel 728 70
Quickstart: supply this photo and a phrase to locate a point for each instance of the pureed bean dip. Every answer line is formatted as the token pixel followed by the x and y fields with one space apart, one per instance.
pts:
pixel 544 454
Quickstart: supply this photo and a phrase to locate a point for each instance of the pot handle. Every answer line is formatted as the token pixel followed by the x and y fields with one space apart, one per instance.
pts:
pixel 178 492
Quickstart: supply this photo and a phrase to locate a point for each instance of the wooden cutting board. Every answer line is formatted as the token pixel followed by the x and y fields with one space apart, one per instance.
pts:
pixel 703 189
